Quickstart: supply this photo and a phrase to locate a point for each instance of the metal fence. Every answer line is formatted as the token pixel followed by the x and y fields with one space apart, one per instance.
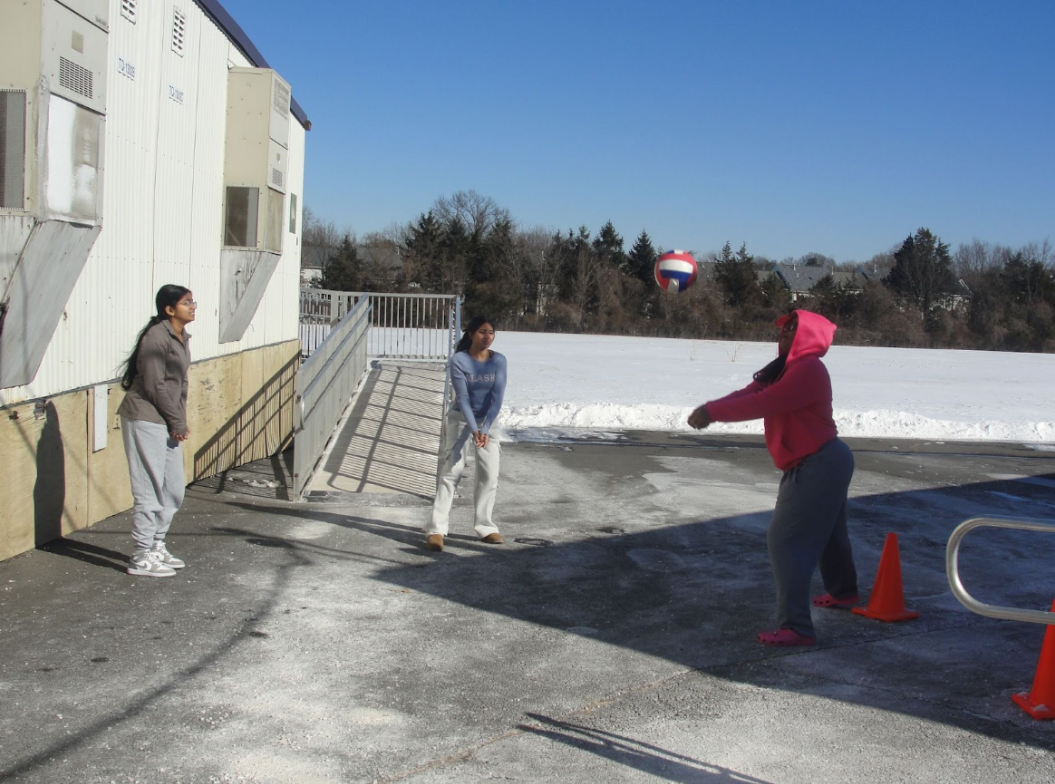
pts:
pixel 325 383
pixel 404 326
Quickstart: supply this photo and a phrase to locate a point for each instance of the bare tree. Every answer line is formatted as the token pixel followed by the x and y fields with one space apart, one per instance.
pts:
pixel 587 266
pixel 974 259
pixel 321 234
pixel 479 213
pixel 538 266
pixel 879 266
pixel 1042 252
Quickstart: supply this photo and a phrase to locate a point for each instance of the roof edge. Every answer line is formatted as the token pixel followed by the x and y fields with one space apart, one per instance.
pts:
pixel 235 32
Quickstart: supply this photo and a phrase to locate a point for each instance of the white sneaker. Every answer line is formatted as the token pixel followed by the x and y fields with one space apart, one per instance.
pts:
pixel 167 558
pixel 147 563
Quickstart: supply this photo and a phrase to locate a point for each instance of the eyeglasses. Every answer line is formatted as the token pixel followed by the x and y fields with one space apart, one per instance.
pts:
pixel 188 302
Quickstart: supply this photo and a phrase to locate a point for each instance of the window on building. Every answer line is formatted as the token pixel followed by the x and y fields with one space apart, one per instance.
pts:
pixel 240 219
pixel 12 149
pixel 273 229
pixel 292 213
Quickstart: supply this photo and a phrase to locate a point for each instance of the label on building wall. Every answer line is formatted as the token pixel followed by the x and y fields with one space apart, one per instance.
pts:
pixel 126 68
pixel 176 94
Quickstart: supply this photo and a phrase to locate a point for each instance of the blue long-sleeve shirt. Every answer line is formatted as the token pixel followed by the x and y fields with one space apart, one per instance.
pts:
pixel 478 388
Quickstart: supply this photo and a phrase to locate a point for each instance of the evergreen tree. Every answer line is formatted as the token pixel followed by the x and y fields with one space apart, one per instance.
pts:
pixel 608 247
pixel 641 262
pixel 775 294
pixel 834 301
pixel 343 271
pixel 736 276
pixel 423 253
pixel 1027 280
pixel 922 271
pixel 459 256
pixel 986 308
pixel 492 287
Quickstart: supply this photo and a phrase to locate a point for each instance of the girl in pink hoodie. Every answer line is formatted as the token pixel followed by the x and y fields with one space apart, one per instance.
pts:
pixel 793 397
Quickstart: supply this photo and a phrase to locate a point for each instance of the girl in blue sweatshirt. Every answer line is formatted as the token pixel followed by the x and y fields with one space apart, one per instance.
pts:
pixel 478 377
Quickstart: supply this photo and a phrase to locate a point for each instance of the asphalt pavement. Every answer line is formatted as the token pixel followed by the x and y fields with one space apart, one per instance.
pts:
pixel 611 638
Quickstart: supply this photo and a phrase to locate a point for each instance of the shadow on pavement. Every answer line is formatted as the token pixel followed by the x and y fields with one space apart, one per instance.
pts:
pixel 696 594
pixel 88 553
pixel 667 765
pixel 140 704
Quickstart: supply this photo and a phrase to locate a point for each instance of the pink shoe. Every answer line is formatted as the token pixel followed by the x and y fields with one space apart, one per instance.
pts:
pixel 785 638
pixel 827 600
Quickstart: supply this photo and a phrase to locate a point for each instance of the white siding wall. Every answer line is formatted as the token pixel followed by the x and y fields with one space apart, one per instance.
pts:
pixel 163 205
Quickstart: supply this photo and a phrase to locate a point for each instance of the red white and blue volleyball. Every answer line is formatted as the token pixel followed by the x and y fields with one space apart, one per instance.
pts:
pixel 675 270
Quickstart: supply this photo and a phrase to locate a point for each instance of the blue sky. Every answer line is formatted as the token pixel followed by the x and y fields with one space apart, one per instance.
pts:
pixel 796 127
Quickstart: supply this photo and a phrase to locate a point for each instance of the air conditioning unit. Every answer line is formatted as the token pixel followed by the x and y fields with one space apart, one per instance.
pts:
pixel 256 156
pixel 53 67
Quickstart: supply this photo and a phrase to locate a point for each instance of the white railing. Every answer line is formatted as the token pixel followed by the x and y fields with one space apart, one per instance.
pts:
pixel 405 326
pixel 325 383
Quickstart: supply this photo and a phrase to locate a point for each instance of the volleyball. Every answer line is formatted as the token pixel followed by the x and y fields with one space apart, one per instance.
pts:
pixel 675 270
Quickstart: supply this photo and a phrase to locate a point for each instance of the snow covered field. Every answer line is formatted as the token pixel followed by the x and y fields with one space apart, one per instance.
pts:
pixel 569 383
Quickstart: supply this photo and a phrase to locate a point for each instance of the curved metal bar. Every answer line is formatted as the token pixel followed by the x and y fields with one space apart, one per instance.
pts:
pixel 952 553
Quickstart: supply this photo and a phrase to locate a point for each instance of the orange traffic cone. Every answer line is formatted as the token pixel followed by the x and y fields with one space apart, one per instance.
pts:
pixel 1040 703
pixel 887 602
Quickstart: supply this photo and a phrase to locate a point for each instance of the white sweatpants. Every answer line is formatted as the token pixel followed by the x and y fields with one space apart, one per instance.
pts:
pixel 457 441
pixel 155 467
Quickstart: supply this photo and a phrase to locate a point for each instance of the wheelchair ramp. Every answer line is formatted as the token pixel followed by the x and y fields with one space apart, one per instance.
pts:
pixel 390 440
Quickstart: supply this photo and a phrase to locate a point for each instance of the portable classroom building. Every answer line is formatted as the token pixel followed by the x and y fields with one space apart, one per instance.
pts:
pixel 141 143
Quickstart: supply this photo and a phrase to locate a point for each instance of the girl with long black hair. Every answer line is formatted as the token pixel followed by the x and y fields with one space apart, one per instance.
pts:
pixel 478 378
pixel 154 425
pixel 793 395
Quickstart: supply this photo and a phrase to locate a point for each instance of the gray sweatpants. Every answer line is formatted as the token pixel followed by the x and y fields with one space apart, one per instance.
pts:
pixel 809 527
pixel 457 440
pixel 155 467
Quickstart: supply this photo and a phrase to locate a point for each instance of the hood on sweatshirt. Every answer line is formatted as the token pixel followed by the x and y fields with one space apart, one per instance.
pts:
pixel 813 336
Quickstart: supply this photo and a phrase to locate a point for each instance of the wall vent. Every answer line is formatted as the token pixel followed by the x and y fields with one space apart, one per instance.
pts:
pixel 128 10
pixel 281 98
pixel 278 179
pixel 12 149
pixel 75 77
pixel 179 31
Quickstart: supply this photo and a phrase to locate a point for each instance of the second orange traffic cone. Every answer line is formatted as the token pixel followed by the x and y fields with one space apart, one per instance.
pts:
pixel 1040 702
pixel 887 602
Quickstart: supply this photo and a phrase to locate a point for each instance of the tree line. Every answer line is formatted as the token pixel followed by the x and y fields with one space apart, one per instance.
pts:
pixel 918 294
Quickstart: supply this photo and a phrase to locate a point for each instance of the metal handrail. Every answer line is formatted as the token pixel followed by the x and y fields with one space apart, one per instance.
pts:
pixel 455 334
pixel 952 553
pixel 325 384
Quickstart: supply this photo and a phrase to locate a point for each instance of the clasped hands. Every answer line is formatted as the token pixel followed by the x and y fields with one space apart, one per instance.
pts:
pixel 480 439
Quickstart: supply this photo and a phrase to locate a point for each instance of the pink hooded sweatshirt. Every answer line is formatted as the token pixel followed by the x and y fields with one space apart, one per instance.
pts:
pixel 796 408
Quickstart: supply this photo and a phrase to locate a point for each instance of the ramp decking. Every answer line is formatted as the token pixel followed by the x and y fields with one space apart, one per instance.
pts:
pixel 389 441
